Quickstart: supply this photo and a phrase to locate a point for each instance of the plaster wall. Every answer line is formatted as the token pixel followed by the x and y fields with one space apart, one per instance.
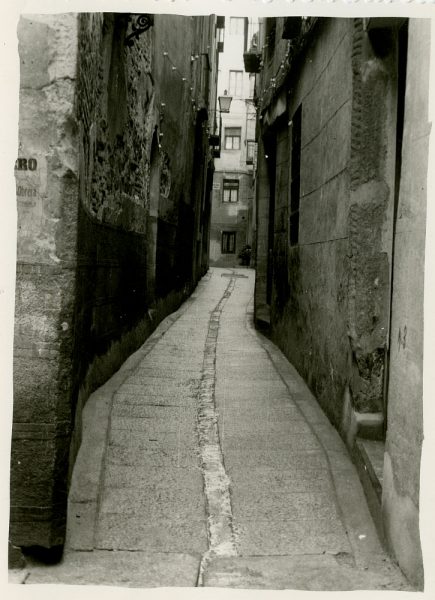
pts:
pixel 229 217
pixel 405 419
pixel 47 188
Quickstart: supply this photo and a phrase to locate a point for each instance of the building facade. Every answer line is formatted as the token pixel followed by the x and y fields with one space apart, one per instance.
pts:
pixel 342 136
pixel 113 222
pixel 232 201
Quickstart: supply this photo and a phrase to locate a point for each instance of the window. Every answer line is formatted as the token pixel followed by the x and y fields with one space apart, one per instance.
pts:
pixel 230 190
pixel 250 152
pixel 232 138
pixel 236 83
pixel 228 242
pixel 237 25
pixel 296 177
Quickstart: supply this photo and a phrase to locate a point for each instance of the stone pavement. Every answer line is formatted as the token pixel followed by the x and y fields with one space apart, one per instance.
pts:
pixel 206 461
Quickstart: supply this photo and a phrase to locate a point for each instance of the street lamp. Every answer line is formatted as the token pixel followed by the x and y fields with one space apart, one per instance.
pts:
pixel 225 102
pixel 224 107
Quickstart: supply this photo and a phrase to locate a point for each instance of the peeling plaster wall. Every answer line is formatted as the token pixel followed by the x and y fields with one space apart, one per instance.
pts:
pixel 112 224
pixel 405 408
pixel 46 257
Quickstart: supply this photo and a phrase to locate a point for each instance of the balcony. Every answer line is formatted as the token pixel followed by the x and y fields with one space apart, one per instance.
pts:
pixel 215 145
pixel 252 60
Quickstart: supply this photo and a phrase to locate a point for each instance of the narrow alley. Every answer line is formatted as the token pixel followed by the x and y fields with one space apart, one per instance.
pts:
pixel 219 300
pixel 206 461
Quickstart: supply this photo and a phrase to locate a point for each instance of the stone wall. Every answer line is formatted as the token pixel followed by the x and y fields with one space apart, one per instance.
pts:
pixel 372 186
pixel 330 297
pixel 262 218
pixel 112 223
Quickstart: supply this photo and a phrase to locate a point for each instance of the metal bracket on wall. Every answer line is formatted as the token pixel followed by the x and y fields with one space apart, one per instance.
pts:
pixel 139 24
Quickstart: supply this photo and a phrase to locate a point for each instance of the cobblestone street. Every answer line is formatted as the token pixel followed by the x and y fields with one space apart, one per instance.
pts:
pixel 206 461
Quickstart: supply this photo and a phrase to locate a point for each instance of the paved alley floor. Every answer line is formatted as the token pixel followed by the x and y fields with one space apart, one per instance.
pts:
pixel 206 461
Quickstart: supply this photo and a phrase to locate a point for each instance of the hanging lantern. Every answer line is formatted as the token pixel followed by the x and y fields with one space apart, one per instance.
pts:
pixel 225 102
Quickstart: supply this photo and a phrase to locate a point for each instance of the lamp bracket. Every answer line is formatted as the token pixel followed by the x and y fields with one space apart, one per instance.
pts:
pixel 139 24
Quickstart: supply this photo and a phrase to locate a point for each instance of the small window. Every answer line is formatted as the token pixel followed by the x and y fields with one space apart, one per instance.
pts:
pixel 237 25
pixel 228 242
pixel 230 190
pixel 236 83
pixel 232 138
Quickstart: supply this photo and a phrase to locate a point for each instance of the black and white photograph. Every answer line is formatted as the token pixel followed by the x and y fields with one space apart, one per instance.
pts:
pixel 218 302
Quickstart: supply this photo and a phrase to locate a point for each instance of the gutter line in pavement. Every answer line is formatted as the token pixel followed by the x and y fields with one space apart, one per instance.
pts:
pixel 221 535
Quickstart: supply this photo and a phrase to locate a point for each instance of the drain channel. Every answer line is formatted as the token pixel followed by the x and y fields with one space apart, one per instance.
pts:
pixel 221 537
